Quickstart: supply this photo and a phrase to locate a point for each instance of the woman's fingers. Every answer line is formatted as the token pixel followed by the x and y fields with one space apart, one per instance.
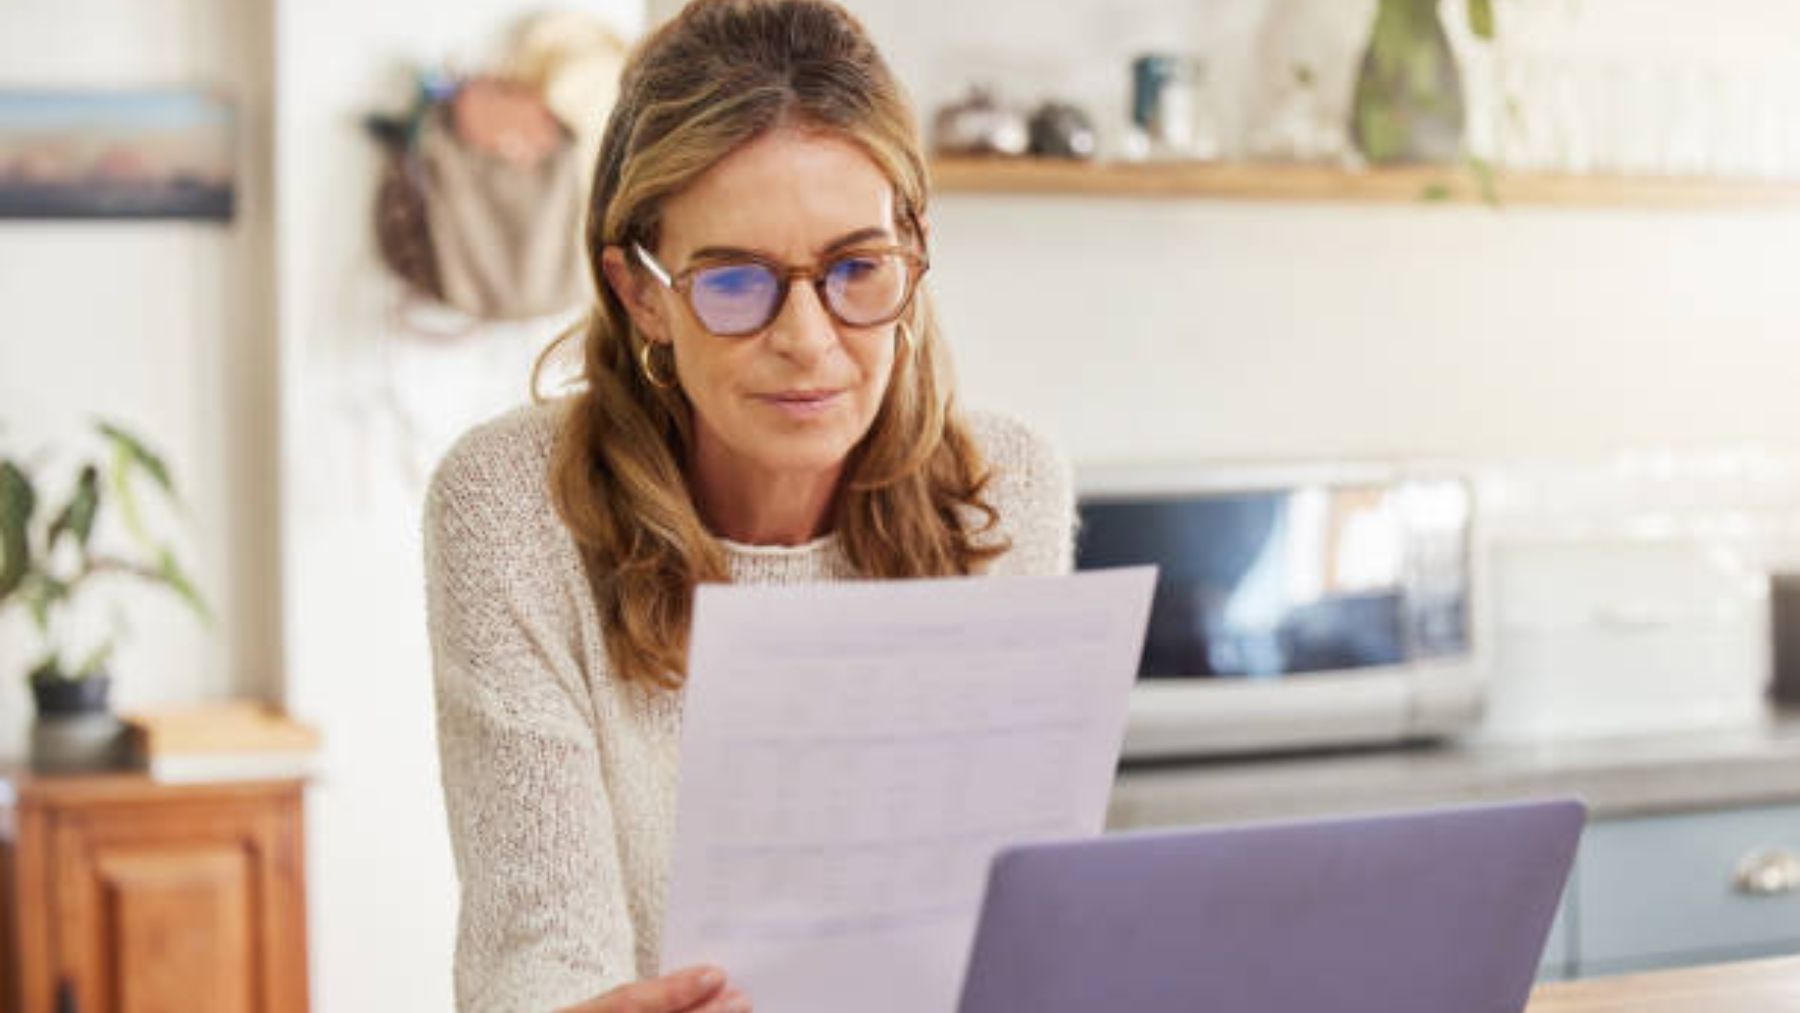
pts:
pixel 685 991
pixel 679 992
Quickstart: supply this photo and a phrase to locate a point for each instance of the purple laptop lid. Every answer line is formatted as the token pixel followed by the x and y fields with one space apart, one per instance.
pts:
pixel 1437 911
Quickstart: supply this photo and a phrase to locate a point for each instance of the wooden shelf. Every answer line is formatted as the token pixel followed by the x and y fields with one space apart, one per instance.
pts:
pixel 1304 183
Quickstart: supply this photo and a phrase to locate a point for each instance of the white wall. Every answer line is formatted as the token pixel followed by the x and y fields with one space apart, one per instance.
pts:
pixel 369 399
pixel 1235 331
pixel 165 326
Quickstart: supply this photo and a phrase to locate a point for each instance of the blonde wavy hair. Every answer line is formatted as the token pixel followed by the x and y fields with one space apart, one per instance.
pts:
pixel 717 76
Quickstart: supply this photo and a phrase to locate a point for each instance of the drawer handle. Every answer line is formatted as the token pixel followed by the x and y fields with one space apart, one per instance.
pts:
pixel 1768 873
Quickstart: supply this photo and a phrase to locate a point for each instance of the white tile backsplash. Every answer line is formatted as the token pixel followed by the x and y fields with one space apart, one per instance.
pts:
pixel 1630 594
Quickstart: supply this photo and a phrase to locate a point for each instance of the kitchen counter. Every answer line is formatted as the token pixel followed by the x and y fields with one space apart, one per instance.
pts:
pixel 1617 777
pixel 1761 986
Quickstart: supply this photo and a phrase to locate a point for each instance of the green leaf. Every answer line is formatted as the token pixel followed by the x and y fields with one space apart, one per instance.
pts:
pixel 49 667
pixel 1438 190
pixel 17 503
pixel 118 474
pixel 140 456
pixel 95 658
pixel 130 456
pixel 77 517
pixel 171 574
pixel 42 592
pixel 1481 19
pixel 1485 180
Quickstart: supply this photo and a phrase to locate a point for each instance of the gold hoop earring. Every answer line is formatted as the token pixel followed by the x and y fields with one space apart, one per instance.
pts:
pixel 649 372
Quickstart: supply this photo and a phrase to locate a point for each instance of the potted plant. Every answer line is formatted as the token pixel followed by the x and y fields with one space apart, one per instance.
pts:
pixel 1408 106
pixel 48 558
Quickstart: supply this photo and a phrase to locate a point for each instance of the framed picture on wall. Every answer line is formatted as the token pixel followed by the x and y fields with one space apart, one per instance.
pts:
pixel 116 154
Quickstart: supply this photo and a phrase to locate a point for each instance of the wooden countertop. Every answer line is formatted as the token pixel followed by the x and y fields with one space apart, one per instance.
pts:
pixel 20 786
pixel 1760 986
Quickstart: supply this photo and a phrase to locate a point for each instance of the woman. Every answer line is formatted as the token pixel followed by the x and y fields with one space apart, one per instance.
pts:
pixel 765 401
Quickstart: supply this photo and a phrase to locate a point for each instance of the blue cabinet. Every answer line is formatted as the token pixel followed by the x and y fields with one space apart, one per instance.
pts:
pixel 1666 891
pixel 1558 961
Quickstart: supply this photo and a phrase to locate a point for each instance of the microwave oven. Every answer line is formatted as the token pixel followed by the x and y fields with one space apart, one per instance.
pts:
pixel 1296 607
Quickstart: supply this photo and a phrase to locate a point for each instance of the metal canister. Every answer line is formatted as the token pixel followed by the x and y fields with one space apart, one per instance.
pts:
pixel 1163 95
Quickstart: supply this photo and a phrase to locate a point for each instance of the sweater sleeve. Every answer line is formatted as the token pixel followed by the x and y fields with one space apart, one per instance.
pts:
pixel 1034 490
pixel 543 920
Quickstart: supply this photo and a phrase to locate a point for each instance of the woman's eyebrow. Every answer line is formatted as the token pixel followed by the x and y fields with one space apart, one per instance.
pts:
pixel 859 236
pixel 849 239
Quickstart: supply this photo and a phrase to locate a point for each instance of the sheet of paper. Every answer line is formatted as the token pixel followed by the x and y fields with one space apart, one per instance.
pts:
pixel 853 755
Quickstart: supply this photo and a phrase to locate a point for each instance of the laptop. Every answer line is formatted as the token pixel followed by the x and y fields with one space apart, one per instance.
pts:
pixel 1435 911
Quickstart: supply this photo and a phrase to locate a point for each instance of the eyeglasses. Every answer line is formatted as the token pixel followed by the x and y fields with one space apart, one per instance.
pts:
pixel 744 294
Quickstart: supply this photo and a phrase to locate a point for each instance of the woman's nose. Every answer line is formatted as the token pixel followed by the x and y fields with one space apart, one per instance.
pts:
pixel 803 330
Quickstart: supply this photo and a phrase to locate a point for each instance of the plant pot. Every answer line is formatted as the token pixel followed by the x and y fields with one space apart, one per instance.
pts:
pixel 1409 98
pixel 75 731
pixel 59 697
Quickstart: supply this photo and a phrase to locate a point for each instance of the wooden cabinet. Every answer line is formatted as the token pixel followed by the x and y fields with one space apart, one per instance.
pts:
pixel 120 895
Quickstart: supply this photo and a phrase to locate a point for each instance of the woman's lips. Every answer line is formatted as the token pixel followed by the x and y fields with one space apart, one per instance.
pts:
pixel 802 404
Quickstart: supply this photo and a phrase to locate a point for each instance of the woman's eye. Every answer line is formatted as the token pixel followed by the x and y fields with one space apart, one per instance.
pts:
pixel 853 268
pixel 736 280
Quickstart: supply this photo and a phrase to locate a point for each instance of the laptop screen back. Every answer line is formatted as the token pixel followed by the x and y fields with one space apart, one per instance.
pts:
pixel 1428 912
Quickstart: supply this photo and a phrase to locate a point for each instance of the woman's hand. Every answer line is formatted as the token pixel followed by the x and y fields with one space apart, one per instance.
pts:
pixel 689 990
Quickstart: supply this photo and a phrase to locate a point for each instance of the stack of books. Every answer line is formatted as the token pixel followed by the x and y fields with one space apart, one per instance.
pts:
pixel 237 740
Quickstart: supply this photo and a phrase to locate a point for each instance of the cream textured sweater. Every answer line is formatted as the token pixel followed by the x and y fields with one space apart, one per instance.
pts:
pixel 559 780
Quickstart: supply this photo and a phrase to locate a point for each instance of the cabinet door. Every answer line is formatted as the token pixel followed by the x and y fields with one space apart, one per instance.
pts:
pixel 180 906
pixel 1558 960
pixel 1662 891
pixel 10 986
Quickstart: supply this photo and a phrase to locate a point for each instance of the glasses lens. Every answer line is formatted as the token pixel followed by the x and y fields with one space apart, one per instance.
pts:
pixel 734 298
pixel 866 288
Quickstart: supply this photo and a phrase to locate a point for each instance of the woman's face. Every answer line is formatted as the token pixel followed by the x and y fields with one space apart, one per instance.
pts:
pixel 796 396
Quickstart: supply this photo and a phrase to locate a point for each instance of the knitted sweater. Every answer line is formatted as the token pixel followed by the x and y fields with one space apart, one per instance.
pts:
pixel 559 780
